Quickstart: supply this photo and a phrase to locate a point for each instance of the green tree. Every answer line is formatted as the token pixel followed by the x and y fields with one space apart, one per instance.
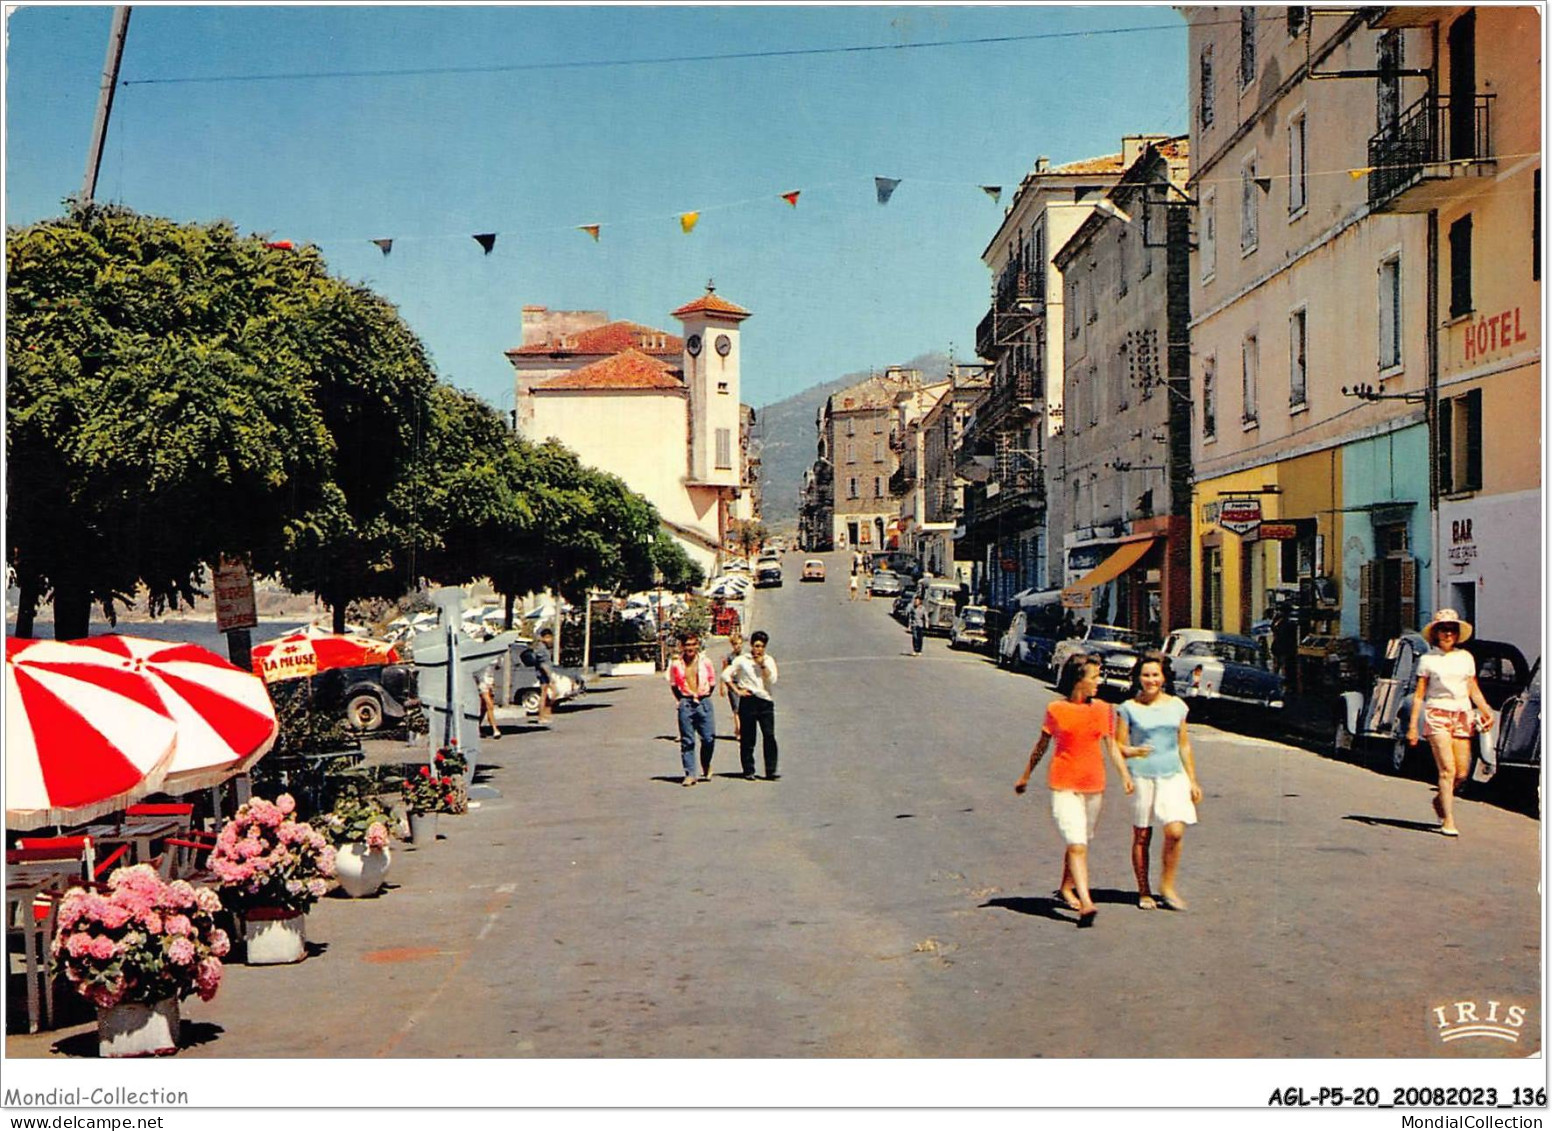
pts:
pixel 749 534
pixel 160 406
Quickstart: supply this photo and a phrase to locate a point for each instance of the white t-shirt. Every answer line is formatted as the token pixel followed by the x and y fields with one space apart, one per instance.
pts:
pixel 1447 674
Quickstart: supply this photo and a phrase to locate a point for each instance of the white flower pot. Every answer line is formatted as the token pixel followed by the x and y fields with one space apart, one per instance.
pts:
pixel 275 937
pixel 361 870
pixel 423 828
pixel 137 1028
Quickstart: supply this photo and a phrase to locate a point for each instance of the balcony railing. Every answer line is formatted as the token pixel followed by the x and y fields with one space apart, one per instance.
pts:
pixel 902 480
pixel 1436 130
pixel 896 440
pixel 1017 295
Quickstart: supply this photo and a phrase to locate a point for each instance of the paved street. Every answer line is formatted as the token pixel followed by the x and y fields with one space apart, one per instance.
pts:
pixel 890 895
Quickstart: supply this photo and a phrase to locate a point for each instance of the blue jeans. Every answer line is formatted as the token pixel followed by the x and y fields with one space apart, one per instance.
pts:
pixel 916 637
pixel 695 717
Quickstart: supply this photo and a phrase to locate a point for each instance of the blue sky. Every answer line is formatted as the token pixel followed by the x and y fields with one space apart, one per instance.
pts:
pixel 837 284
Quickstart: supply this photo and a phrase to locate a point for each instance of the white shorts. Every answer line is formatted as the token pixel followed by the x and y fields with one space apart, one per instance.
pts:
pixel 1076 814
pixel 1162 801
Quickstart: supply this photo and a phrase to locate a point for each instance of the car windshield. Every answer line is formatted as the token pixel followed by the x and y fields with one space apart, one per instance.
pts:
pixel 1232 651
pixel 1109 632
pixel 974 616
pixel 941 592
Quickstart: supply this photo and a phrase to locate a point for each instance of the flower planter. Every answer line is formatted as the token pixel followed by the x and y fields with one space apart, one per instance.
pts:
pixel 423 828
pixel 275 936
pixel 137 1028
pixel 360 870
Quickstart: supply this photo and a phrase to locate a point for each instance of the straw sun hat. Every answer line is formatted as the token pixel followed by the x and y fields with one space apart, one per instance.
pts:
pixel 1447 616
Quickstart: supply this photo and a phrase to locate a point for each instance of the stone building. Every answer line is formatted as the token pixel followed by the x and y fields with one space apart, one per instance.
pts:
pixel 857 461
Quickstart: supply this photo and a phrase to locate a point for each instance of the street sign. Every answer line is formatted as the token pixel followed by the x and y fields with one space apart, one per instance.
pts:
pixel 1077 598
pixel 1280 531
pixel 1239 516
pixel 234 596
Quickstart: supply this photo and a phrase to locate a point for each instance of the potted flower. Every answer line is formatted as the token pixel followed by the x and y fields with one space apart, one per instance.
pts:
pixel 135 951
pixel 449 762
pixel 427 792
pixel 358 828
pixel 271 868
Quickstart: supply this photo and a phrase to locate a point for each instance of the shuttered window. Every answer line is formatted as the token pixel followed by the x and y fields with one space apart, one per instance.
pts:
pixel 1460 443
pixel 1390 313
pixel 724 447
pixel 1460 267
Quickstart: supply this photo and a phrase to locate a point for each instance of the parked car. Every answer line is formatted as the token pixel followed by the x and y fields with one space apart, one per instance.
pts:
pixel 1380 719
pixel 1030 639
pixel 1517 745
pixel 813 570
pixel 939 595
pixel 1116 647
pixel 969 629
pixel 1222 667
pixel 886 583
pixel 568 683
pixel 901 609
pixel 368 697
pixel 767 574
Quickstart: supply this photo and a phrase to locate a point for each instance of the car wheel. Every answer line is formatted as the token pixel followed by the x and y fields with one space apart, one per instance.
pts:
pixel 364 712
pixel 528 699
pixel 1400 755
pixel 1342 741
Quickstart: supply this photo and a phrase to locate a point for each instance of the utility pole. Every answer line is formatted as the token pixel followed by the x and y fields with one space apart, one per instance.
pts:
pixel 110 82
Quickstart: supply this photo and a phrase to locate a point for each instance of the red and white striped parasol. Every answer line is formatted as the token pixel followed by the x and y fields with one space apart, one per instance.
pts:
pixel 225 719
pixel 307 653
pixel 81 738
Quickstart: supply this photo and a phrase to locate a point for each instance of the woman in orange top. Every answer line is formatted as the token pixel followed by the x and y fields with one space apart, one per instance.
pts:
pixel 1084 730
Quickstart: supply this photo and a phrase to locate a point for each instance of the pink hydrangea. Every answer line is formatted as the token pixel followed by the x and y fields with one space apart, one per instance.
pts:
pixel 101 948
pixel 113 915
pixel 178 925
pixel 220 944
pixel 286 804
pixel 181 952
pixel 152 921
pixel 377 835
pixel 207 978
pixel 207 900
pixel 79 944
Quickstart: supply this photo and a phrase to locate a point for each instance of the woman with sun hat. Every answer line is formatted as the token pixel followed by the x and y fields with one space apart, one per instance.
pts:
pixel 1446 691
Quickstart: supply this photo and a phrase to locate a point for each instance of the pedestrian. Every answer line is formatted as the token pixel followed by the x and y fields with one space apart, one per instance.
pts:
pixel 1083 731
pixel 917 624
pixel 544 667
pixel 487 683
pixel 1446 690
pixel 853 586
pixel 1164 771
pixel 693 681
pixel 735 650
pixel 753 676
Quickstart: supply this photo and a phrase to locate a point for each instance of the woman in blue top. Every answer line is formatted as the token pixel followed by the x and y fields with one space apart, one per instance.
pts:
pixel 1154 722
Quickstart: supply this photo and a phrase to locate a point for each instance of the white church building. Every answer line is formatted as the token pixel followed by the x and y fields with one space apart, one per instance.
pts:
pixel 665 420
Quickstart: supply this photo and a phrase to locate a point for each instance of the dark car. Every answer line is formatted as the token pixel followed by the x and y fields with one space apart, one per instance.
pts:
pixel 902 606
pixel 1029 641
pixel 969 629
pixel 369 697
pixel 1216 668
pixel 1116 647
pixel 1518 744
pixel 768 575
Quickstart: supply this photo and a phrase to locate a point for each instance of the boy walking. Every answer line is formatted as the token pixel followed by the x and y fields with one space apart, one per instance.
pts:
pixel 693 681
pixel 753 676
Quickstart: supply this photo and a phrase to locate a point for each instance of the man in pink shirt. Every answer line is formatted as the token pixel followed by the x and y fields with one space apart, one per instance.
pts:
pixel 693 680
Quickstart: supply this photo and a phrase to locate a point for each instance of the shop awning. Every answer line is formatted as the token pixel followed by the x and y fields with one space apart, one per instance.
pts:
pixel 1128 555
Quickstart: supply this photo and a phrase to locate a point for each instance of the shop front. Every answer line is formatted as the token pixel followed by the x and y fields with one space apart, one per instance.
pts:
pixel 1137 580
pixel 1490 565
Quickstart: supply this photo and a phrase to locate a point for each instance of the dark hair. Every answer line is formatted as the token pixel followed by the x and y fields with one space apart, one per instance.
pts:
pixel 546 632
pixel 1072 672
pixel 1165 666
pixel 759 636
pixel 690 635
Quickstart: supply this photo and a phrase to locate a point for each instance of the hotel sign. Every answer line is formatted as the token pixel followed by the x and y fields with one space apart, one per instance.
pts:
pixel 1239 516
pixel 1493 333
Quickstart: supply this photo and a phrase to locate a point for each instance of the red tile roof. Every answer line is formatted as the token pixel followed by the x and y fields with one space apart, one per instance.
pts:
pixel 630 369
pixel 1110 164
pixel 711 304
pixel 610 338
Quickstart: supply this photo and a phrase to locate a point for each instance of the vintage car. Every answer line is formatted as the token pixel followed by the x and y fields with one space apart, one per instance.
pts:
pixel 813 570
pixel 767 574
pixel 1220 668
pixel 1517 742
pixel 1032 634
pixel 1116 647
pixel 969 629
pixel 524 680
pixel 368 697
pixel 1380 719
pixel 886 583
pixel 940 596
pixel 902 606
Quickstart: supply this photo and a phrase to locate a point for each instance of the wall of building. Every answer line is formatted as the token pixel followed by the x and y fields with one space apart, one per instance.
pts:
pixel 1491 563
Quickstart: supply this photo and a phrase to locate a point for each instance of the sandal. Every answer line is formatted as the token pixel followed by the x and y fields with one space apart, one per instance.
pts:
pixel 1147 903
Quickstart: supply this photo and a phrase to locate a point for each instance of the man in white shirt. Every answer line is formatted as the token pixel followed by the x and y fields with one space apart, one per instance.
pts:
pixel 753 676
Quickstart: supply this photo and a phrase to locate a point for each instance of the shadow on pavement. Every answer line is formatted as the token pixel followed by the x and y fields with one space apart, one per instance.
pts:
pixel 190 1034
pixel 1430 827
pixel 1050 907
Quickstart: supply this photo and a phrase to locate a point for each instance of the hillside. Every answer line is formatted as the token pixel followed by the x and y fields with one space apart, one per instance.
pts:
pixel 788 440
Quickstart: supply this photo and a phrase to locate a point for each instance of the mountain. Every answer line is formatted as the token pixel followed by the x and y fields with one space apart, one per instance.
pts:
pixel 788 442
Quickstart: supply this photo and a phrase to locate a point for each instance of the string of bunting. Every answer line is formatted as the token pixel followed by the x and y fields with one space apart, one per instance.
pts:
pixel 884 190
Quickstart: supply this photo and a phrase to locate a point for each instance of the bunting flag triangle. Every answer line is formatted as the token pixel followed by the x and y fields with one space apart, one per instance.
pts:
pixel 487 240
pixel 993 191
pixel 590 229
pixel 280 245
pixel 385 245
pixel 886 187
pixel 688 220
pixel 791 198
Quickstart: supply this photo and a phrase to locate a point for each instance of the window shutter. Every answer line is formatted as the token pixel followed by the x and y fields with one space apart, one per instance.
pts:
pixel 1460 267
pixel 1446 440
pixel 1471 403
pixel 1408 594
pixel 1366 576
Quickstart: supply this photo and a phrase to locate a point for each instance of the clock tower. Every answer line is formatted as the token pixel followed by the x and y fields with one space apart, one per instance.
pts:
pixel 711 356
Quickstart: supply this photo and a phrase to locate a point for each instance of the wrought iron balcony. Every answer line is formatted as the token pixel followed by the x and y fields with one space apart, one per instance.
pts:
pixel 1017 297
pixel 902 480
pixel 896 440
pixel 1435 141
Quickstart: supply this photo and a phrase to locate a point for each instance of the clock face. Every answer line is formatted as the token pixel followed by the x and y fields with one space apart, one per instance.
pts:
pixel 693 344
pixel 724 344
